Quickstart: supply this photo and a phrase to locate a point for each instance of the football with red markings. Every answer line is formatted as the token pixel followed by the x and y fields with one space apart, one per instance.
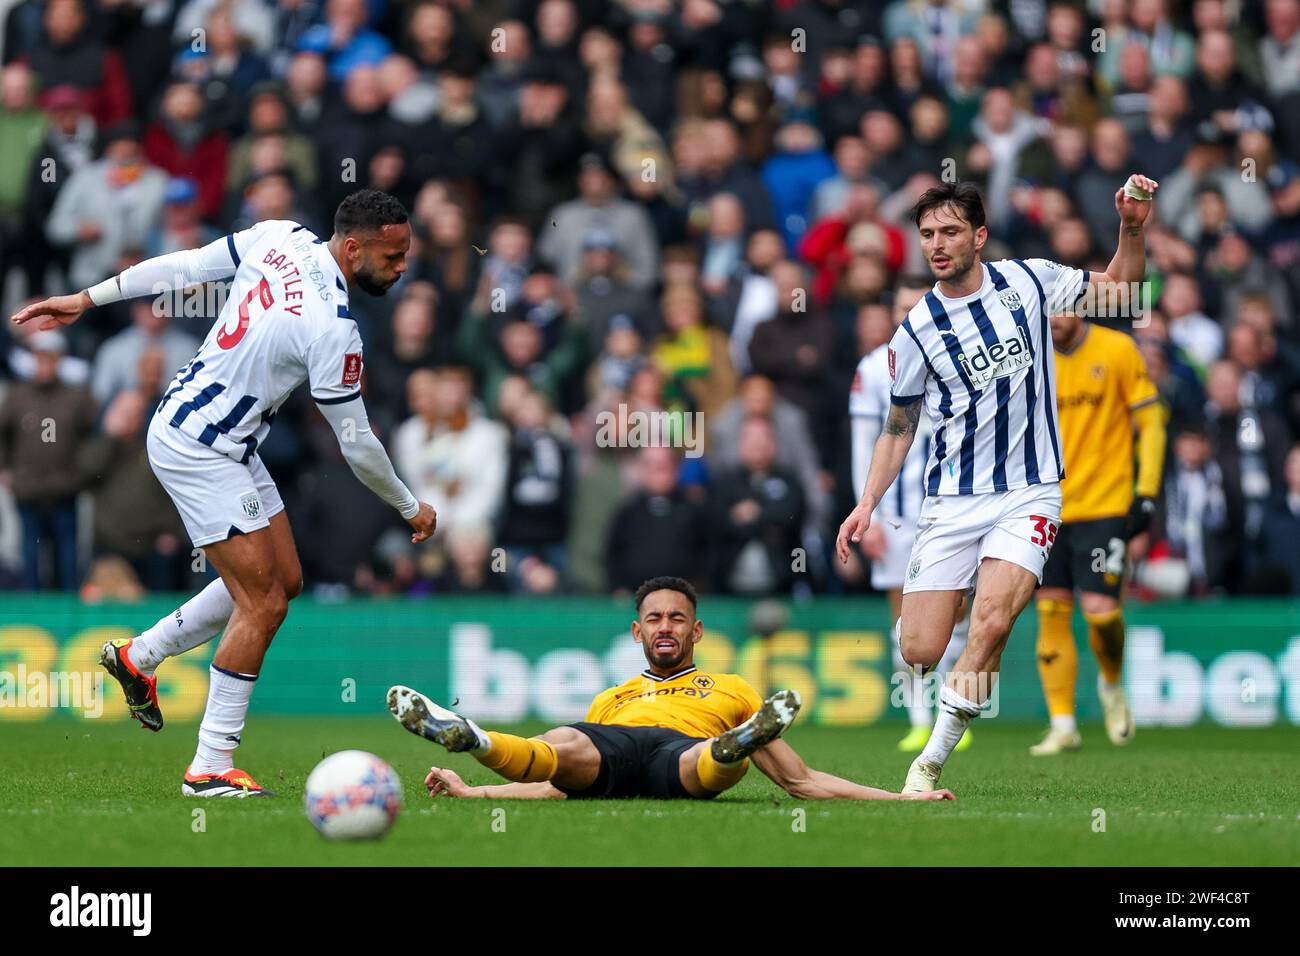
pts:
pixel 353 795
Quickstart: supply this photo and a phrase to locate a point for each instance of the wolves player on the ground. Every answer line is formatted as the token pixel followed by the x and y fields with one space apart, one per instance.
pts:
pixel 671 732
pixel 285 321
pixel 888 542
pixel 977 352
pixel 1103 396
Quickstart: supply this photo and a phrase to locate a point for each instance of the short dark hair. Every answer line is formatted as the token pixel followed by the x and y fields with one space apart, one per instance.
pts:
pixel 667 583
pixel 965 196
pixel 367 210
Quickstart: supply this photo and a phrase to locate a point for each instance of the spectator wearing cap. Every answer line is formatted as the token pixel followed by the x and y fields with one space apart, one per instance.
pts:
pixel 269 115
pixel 798 165
pixel 22 131
pixel 107 208
pixel 117 361
pixel 69 53
pixel 182 144
pixel 42 424
pixel 603 290
pixel 598 205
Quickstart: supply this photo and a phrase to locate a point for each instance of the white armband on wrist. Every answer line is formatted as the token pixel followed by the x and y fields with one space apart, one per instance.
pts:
pixel 105 292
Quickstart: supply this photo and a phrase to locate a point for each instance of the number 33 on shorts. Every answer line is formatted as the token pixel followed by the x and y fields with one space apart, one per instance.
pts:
pixel 1044 532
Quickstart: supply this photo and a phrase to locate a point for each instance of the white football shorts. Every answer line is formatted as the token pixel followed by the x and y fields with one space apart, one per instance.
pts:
pixel 215 495
pixel 956 532
pixel 887 573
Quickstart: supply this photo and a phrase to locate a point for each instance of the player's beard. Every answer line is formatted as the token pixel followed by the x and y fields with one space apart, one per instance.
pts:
pixel 370 284
pixel 960 267
pixel 668 661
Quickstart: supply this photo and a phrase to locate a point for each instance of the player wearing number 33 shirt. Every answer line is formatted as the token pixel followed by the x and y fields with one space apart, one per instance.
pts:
pixel 285 321
pixel 975 355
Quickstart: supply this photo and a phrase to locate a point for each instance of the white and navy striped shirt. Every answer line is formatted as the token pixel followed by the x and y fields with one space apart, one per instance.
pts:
pixel 285 321
pixel 869 400
pixel 984 365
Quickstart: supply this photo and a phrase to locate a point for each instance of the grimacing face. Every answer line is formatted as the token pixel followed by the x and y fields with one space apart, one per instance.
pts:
pixel 379 259
pixel 949 243
pixel 667 630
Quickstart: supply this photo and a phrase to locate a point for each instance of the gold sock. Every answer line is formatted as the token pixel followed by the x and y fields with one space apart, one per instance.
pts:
pixel 521 759
pixel 1058 658
pixel 716 777
pixel 1106 637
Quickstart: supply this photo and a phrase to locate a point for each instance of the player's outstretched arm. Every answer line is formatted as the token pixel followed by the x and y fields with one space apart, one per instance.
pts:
pixel 175 270
pixel 370 463
pixel 787 770
pixel 886 461
pixel 447 782
pixel 1130 261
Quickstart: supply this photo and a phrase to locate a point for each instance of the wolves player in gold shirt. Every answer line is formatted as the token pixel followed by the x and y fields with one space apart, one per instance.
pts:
pixel 671 732
pixel 1104 396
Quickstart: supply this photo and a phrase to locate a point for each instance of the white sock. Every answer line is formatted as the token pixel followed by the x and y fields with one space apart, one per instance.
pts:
pixel 912 687
pixel 955 715
pixel 956 644
pixel 1103 684
pixel 223 720
pixel 1065 723
pixel 484 744
pixel 195 622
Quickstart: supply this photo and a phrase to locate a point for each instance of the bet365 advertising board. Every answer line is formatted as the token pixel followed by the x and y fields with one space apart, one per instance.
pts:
pixel 508 659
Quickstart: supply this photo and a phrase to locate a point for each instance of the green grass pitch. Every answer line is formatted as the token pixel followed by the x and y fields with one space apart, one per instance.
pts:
pixel 84 794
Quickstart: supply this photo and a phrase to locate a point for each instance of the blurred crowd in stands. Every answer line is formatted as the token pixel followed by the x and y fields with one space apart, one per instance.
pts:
pixel 675 206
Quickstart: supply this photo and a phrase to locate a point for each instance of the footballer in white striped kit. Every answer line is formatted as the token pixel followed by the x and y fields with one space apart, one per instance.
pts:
pixel 976 352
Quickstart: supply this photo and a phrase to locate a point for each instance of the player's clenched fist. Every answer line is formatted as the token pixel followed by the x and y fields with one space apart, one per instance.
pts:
pixel 853 528
pixel 423 521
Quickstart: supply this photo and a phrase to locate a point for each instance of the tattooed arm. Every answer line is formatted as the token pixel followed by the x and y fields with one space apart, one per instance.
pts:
pixel 886 461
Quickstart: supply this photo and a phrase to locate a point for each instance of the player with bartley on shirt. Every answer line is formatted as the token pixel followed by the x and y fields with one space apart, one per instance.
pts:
pixel 285 321
pixel 977 351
